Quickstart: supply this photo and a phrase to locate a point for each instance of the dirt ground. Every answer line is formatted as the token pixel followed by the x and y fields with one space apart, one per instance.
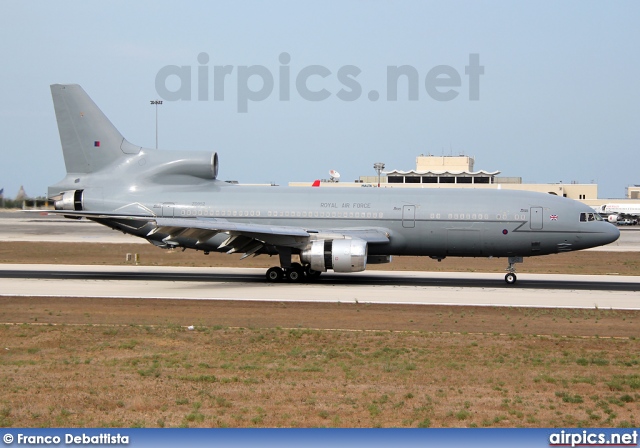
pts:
pixel 582 262
pixel 135 363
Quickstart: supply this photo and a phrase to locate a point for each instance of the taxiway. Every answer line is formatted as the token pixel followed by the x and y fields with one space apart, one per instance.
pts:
pixel 417 288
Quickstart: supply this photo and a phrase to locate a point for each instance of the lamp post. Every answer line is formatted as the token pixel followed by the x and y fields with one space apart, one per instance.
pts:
pixel 156 103
pixel 378 166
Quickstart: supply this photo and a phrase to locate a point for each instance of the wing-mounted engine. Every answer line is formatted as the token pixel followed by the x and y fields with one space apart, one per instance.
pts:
pixel 69 200
pixel 343 255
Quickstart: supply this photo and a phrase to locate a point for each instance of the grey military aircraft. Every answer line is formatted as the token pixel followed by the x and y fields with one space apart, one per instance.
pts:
pixel 173 199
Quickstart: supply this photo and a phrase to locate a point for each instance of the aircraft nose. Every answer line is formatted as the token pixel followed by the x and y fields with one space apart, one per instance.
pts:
pixel 611 233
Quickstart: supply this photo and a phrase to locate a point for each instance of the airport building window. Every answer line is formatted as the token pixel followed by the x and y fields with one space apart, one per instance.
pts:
pixel 395 179
pixel 481 180
pixel 429 180
pixel 447 180
pixel 464 180
pixel 411 180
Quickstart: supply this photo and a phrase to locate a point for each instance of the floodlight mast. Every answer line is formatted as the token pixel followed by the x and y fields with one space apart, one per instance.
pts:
pixel 378 166
pixel 156 103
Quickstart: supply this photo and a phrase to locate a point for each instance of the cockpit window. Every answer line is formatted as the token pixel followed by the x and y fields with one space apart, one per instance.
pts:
pixel 584 217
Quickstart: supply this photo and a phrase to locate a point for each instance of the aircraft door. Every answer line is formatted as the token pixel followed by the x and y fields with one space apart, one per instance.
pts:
pixel 536 218
pixel 167 209
pixel 409 216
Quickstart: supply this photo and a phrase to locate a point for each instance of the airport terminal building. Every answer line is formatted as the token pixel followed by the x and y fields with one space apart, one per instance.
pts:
pixel 458 172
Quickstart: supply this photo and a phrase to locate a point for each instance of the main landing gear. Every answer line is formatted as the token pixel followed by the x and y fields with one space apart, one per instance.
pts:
pixel 295 273
pixel 292 272
pixel 511 278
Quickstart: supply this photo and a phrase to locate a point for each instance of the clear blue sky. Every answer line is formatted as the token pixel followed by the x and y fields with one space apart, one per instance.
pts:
pixel 559 99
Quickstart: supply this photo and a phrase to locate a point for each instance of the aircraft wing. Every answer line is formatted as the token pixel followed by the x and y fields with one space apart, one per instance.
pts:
pixel 372 235
pixel 242 237
pixel 241 233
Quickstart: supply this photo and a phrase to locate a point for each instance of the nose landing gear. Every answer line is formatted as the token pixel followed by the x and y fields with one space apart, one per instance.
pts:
pixel 511 278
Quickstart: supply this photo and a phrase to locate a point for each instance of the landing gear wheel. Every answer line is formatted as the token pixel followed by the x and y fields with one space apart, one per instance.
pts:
pixel 510 278
pixel 295 273
pixel 275 274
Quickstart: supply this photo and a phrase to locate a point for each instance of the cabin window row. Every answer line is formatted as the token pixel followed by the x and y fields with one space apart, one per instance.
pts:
pixel 229 213
pixel 461 216
pixel 295 214
pixel 285 214
pixel 357 215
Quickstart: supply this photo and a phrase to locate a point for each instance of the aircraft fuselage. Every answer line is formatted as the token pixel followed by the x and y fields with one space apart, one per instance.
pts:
pixel 433 222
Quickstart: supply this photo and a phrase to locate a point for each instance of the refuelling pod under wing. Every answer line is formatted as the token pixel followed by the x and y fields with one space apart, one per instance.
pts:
pixel 347 255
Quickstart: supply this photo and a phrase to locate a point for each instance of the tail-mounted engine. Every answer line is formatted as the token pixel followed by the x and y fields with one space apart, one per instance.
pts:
pixel 348 255
pixel 70 200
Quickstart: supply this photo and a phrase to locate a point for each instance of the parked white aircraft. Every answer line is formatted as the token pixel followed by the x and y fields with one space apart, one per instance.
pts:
pixel 616 212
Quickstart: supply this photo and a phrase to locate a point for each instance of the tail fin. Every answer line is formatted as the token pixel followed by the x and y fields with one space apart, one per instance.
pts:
pixel 89 141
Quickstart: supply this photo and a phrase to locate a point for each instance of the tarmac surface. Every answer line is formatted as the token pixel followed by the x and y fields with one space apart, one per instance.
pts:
pixel 418 288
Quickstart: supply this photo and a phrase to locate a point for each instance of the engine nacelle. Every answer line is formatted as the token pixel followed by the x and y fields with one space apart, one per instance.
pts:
pixel 612 218
pixel 70 200
pixel 198 164
pixel 348 255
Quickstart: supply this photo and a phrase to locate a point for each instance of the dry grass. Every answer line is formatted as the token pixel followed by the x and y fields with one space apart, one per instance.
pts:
pixel 584 262
pixel 114 362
